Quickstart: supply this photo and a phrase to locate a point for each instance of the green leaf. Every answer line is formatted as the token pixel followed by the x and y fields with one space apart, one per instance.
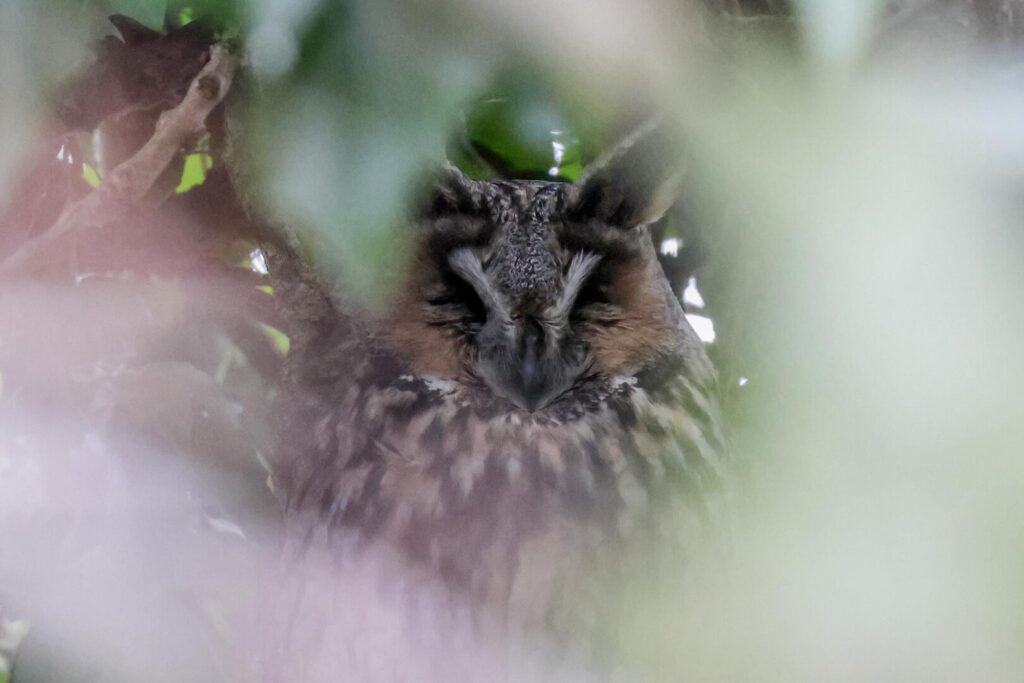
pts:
pixel 523 135
pixel 90 175
pixel 194 172
pixel 225 15
pixel 281 341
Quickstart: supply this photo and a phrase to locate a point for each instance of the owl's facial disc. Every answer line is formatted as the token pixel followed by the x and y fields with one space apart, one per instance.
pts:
pixel 530 287
pixel 524 352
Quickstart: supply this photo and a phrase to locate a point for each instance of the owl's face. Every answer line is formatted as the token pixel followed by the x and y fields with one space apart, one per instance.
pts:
pixel 528 289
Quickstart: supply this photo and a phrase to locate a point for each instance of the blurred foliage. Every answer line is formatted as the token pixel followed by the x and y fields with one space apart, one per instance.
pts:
pixel 852 213
pixel 351 94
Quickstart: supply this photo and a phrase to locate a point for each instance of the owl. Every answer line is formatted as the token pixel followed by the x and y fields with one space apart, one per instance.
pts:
pixel 530 407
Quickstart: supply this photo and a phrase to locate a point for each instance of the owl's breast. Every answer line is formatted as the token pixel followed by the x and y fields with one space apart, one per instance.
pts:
pixel 444 469
pixel 505 506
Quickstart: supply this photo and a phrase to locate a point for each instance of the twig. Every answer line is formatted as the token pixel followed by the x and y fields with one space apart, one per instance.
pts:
pixel 132 179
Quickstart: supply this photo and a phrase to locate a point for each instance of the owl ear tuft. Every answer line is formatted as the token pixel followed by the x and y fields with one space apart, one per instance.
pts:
pixel 452 191
pixel 634 184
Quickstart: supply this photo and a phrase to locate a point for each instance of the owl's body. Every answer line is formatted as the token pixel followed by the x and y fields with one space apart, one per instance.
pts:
pixel 531 405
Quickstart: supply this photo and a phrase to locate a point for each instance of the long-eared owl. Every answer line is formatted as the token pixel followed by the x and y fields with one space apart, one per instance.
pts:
pixel 530 405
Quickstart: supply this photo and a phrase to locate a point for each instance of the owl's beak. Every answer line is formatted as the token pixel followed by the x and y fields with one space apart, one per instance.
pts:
pixel 520 367
pixel 532 378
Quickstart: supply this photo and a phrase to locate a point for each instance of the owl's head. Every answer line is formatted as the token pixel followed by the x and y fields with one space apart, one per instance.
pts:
pixel 527 289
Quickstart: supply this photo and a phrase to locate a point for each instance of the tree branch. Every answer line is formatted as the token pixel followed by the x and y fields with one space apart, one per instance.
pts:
pixel 133 178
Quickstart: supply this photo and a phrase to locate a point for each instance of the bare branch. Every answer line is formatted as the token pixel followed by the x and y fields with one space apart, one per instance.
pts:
pixel 132 179
pixel 135 176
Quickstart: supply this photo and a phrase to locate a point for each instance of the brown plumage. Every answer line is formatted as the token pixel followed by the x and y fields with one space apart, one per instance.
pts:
pixel 531 405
